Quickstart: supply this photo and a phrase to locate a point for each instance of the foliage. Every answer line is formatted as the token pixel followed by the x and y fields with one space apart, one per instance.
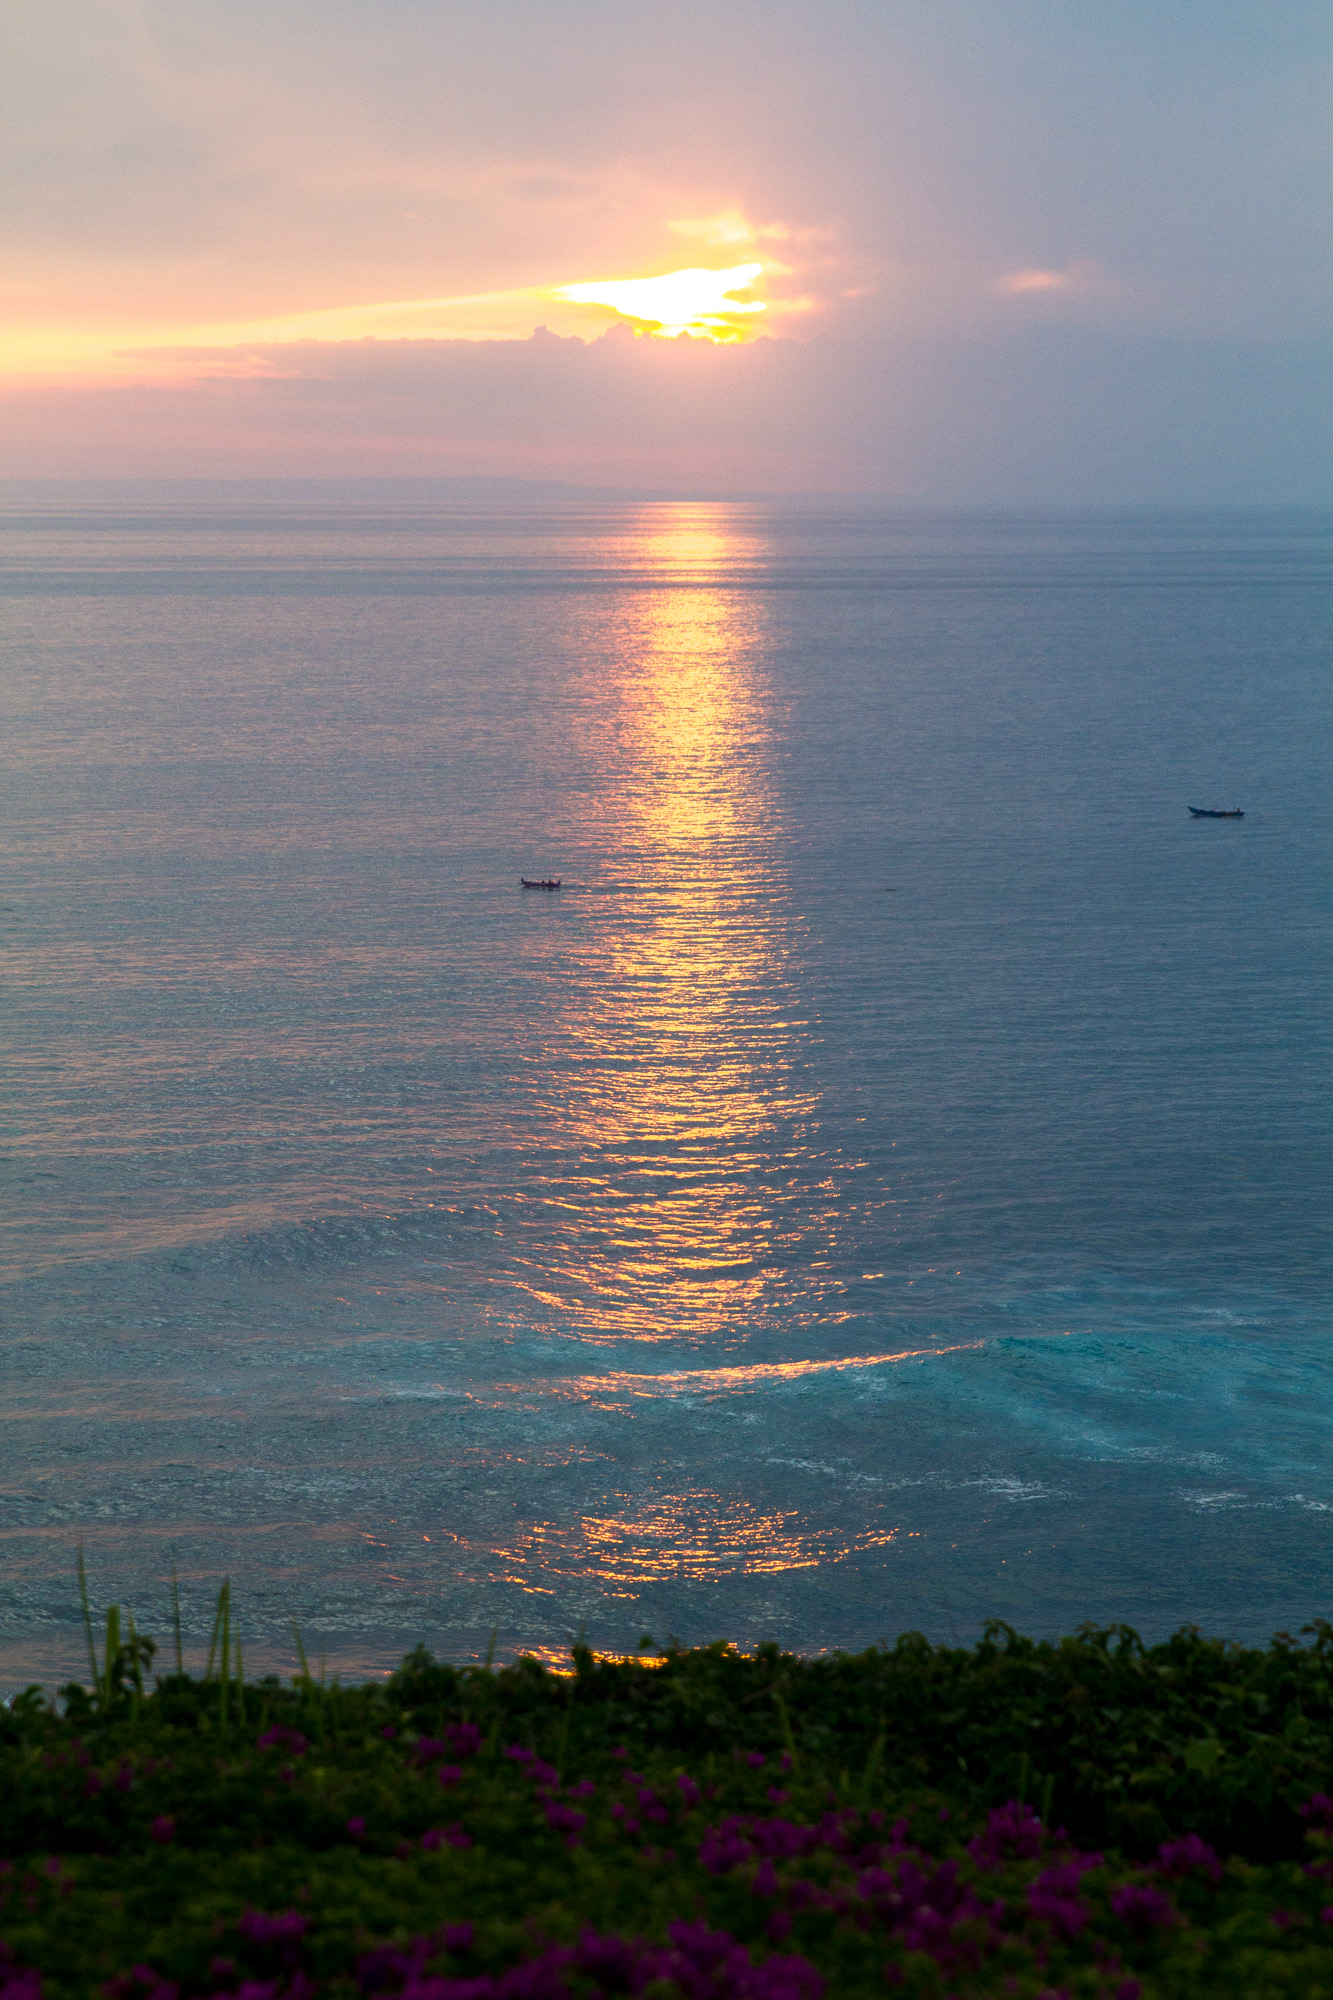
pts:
pixel 1095 1817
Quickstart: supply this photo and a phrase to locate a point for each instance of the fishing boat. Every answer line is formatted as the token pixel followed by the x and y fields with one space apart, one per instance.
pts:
pixel 539 885
pixel 1211 812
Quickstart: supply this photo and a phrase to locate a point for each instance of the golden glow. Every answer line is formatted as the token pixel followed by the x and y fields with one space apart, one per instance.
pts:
pixel 731 230
pixel 618 1384
pixel 1082 275
pixel 687 1196
pixel 692 1537
pixel 695 301
pixel 559 1660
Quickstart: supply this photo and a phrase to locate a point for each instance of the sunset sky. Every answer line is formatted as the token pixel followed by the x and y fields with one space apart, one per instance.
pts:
pixel 954 249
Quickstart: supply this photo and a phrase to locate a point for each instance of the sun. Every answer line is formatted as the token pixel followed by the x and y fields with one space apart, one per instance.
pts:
pixel 696 301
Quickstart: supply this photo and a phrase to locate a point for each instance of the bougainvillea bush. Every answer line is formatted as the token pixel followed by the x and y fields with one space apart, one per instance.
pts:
pixel 1095 1818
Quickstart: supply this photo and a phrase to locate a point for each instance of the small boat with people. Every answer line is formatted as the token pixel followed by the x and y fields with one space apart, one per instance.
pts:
pixel 1213 812
pixel 548 884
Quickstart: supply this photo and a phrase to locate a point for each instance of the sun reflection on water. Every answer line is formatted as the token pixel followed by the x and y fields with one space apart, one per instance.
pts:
pixel 683 1120
pixel 695 1536
pixel 613 1388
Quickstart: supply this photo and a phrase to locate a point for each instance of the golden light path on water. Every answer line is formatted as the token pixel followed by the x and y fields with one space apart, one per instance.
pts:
pixel 713 1381
pixel 689 1200
pixel 680 1124
pixel 692 1536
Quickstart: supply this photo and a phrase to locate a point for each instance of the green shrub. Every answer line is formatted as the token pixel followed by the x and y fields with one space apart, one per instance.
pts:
pixel 1093 1817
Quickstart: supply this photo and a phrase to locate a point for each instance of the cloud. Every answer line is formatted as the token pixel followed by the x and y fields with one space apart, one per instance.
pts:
pixel 169 167
pixel 1080 276
pixel 1051 414
pixel 730 231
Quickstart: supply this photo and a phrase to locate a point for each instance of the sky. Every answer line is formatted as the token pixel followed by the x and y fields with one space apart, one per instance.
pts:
pixel 952 250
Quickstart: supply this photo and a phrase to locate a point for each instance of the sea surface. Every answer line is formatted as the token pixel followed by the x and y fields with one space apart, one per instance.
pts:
pixel 887 1186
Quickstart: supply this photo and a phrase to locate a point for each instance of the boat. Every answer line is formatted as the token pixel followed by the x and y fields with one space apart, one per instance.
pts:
pixel 539 885
pixel 1211 812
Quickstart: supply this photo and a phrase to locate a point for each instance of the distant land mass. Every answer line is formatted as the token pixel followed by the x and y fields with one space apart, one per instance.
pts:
pixel 499 490
pixel 414 491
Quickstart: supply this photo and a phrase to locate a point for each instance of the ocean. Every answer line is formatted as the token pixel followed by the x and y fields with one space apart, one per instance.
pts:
pixel 885 1187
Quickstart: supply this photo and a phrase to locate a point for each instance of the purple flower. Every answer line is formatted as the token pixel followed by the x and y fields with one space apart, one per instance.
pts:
pixel 611 1961
pixel 449 1774
pixel 278 1738
pixel 140 1980
pixel 436 1837
pixel 163 1830
pixel 356 1827
pixel 430 1749
pixel 1320 1810
pixel 18 1982
pixel 724 1848
pixel 756 1760
pixel 1012 1828
pixel 689 1791
pixel 458 1937
pixel 464 1738
pixel 389 1966
pixel 1054 1899
pixel 258 1927
pixel 1143 1909
pixel 1188 1856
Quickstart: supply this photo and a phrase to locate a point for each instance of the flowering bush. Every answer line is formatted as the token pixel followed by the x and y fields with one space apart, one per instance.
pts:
pixel 712 1828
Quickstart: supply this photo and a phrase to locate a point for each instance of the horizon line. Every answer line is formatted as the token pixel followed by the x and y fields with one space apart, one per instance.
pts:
pixel 519 486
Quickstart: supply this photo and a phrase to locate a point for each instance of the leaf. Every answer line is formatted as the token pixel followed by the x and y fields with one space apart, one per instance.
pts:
pixel 1203 1755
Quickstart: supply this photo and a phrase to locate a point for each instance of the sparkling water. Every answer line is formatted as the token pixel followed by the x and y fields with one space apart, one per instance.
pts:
pixel 885 1186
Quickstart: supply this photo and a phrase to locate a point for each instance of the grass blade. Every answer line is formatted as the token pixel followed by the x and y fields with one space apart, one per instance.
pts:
pixel 871 1771
pixel 112 1657
pixel 87 1623
pixel 176 1616
pixel 137 1657
pixel 785 1720
pixel 224 1612
pixel 217 1634
pixel 300 1651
